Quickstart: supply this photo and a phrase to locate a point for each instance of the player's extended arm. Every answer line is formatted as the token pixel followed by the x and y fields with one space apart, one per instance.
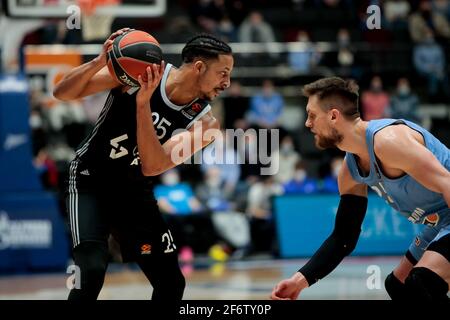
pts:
pixel 397 147
pixel 89 78
pixel 157 158
pixel 349 217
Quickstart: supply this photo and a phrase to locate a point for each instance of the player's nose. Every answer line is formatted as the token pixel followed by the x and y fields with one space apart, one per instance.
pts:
pixel 227 82
pixel 308 123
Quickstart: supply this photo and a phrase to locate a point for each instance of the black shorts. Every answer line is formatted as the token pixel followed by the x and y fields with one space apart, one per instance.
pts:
pixel 131 216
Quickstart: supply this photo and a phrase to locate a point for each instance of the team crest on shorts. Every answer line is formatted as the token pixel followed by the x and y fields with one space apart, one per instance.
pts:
pixel 146 249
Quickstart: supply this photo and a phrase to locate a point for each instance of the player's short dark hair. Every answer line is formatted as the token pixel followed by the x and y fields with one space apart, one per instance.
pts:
pixel 204 46
pixel 335 88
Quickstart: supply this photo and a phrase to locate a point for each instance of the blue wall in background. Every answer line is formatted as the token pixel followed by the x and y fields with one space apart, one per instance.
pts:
pixel 304 222
pixel 33 236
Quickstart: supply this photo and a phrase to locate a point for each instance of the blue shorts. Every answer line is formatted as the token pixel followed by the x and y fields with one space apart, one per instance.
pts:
pixel 429 234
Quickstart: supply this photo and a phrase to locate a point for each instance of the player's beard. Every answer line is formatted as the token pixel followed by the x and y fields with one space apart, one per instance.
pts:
pixel 329 141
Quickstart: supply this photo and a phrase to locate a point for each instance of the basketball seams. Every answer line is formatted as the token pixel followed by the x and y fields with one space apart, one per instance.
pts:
pixel 134 59
pixel 151 39
pixel 140 42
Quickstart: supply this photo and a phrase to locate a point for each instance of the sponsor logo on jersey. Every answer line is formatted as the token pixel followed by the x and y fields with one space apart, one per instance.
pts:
pixel 192 111
pixel 416 215
pixel 136 159
pixel 146 249
pixel 196 107
pixel 417 241
pixel 187 115
pixel 431 220
pixel 117 150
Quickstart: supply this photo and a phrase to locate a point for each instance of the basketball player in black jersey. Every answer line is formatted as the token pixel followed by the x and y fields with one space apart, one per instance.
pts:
pixel 110 187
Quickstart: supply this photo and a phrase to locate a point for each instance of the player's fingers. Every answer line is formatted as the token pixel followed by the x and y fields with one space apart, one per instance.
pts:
pixel 107 43
pixel 150 77
pixel 141 82
pixel 118 33
pixel 156 76
pixel 162 67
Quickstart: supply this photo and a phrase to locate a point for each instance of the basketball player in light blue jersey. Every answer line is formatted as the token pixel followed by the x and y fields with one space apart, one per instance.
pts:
pixel 404 164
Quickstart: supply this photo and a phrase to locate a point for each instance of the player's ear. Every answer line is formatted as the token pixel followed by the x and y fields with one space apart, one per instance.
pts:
pixel 199 66
pixel 334 114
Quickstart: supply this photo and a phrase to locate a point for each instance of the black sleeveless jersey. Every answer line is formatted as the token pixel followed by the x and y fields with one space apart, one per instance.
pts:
pixel 110 154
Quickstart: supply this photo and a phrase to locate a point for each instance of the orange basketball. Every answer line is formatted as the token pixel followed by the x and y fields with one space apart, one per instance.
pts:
pixel 130 54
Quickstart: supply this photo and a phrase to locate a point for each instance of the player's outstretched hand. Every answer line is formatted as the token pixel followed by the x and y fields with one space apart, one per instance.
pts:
pixel 289 289
pixel 108 43
pixel 149 82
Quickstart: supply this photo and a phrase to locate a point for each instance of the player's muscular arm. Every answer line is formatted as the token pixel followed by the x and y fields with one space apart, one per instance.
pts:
pixel 89 78
pixel 399 147
pixel 183 145
pixel 157 158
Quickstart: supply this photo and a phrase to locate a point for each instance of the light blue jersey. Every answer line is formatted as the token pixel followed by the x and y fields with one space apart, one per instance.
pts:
pixel 417 203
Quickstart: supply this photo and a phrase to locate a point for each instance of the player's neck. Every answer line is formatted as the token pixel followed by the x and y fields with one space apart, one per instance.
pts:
pixel 179 90
pixel 355 138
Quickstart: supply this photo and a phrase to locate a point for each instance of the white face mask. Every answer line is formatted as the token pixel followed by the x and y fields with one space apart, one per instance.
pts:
pixel 286 148
pixel 404 90
pixel 300 175
pixel 214 182
pixel 35 121
pixel 170 179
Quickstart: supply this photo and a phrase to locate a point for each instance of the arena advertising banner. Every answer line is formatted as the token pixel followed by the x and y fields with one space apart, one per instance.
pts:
pixel 32 233
pixel 304 222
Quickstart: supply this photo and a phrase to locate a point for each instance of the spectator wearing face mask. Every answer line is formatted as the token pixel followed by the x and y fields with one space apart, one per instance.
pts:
pixel 307 58
pixel 330 184
pixel 425 18
pixel 301 183
pixel 404 103
pixel 175 197
pixel 429 61
pixel 286 158
pixel 211 191
pixel 375 101
pixel 266 107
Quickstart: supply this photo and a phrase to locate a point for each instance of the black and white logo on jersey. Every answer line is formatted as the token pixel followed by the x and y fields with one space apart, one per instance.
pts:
pixel 136 159
pixel 117 150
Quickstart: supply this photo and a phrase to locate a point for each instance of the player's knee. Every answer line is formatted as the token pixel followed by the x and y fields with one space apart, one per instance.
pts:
pixel 395 288
pixel 92 257
pixel 422 283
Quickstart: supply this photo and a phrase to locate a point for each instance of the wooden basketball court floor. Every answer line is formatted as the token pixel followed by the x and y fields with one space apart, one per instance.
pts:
pixel 251 279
